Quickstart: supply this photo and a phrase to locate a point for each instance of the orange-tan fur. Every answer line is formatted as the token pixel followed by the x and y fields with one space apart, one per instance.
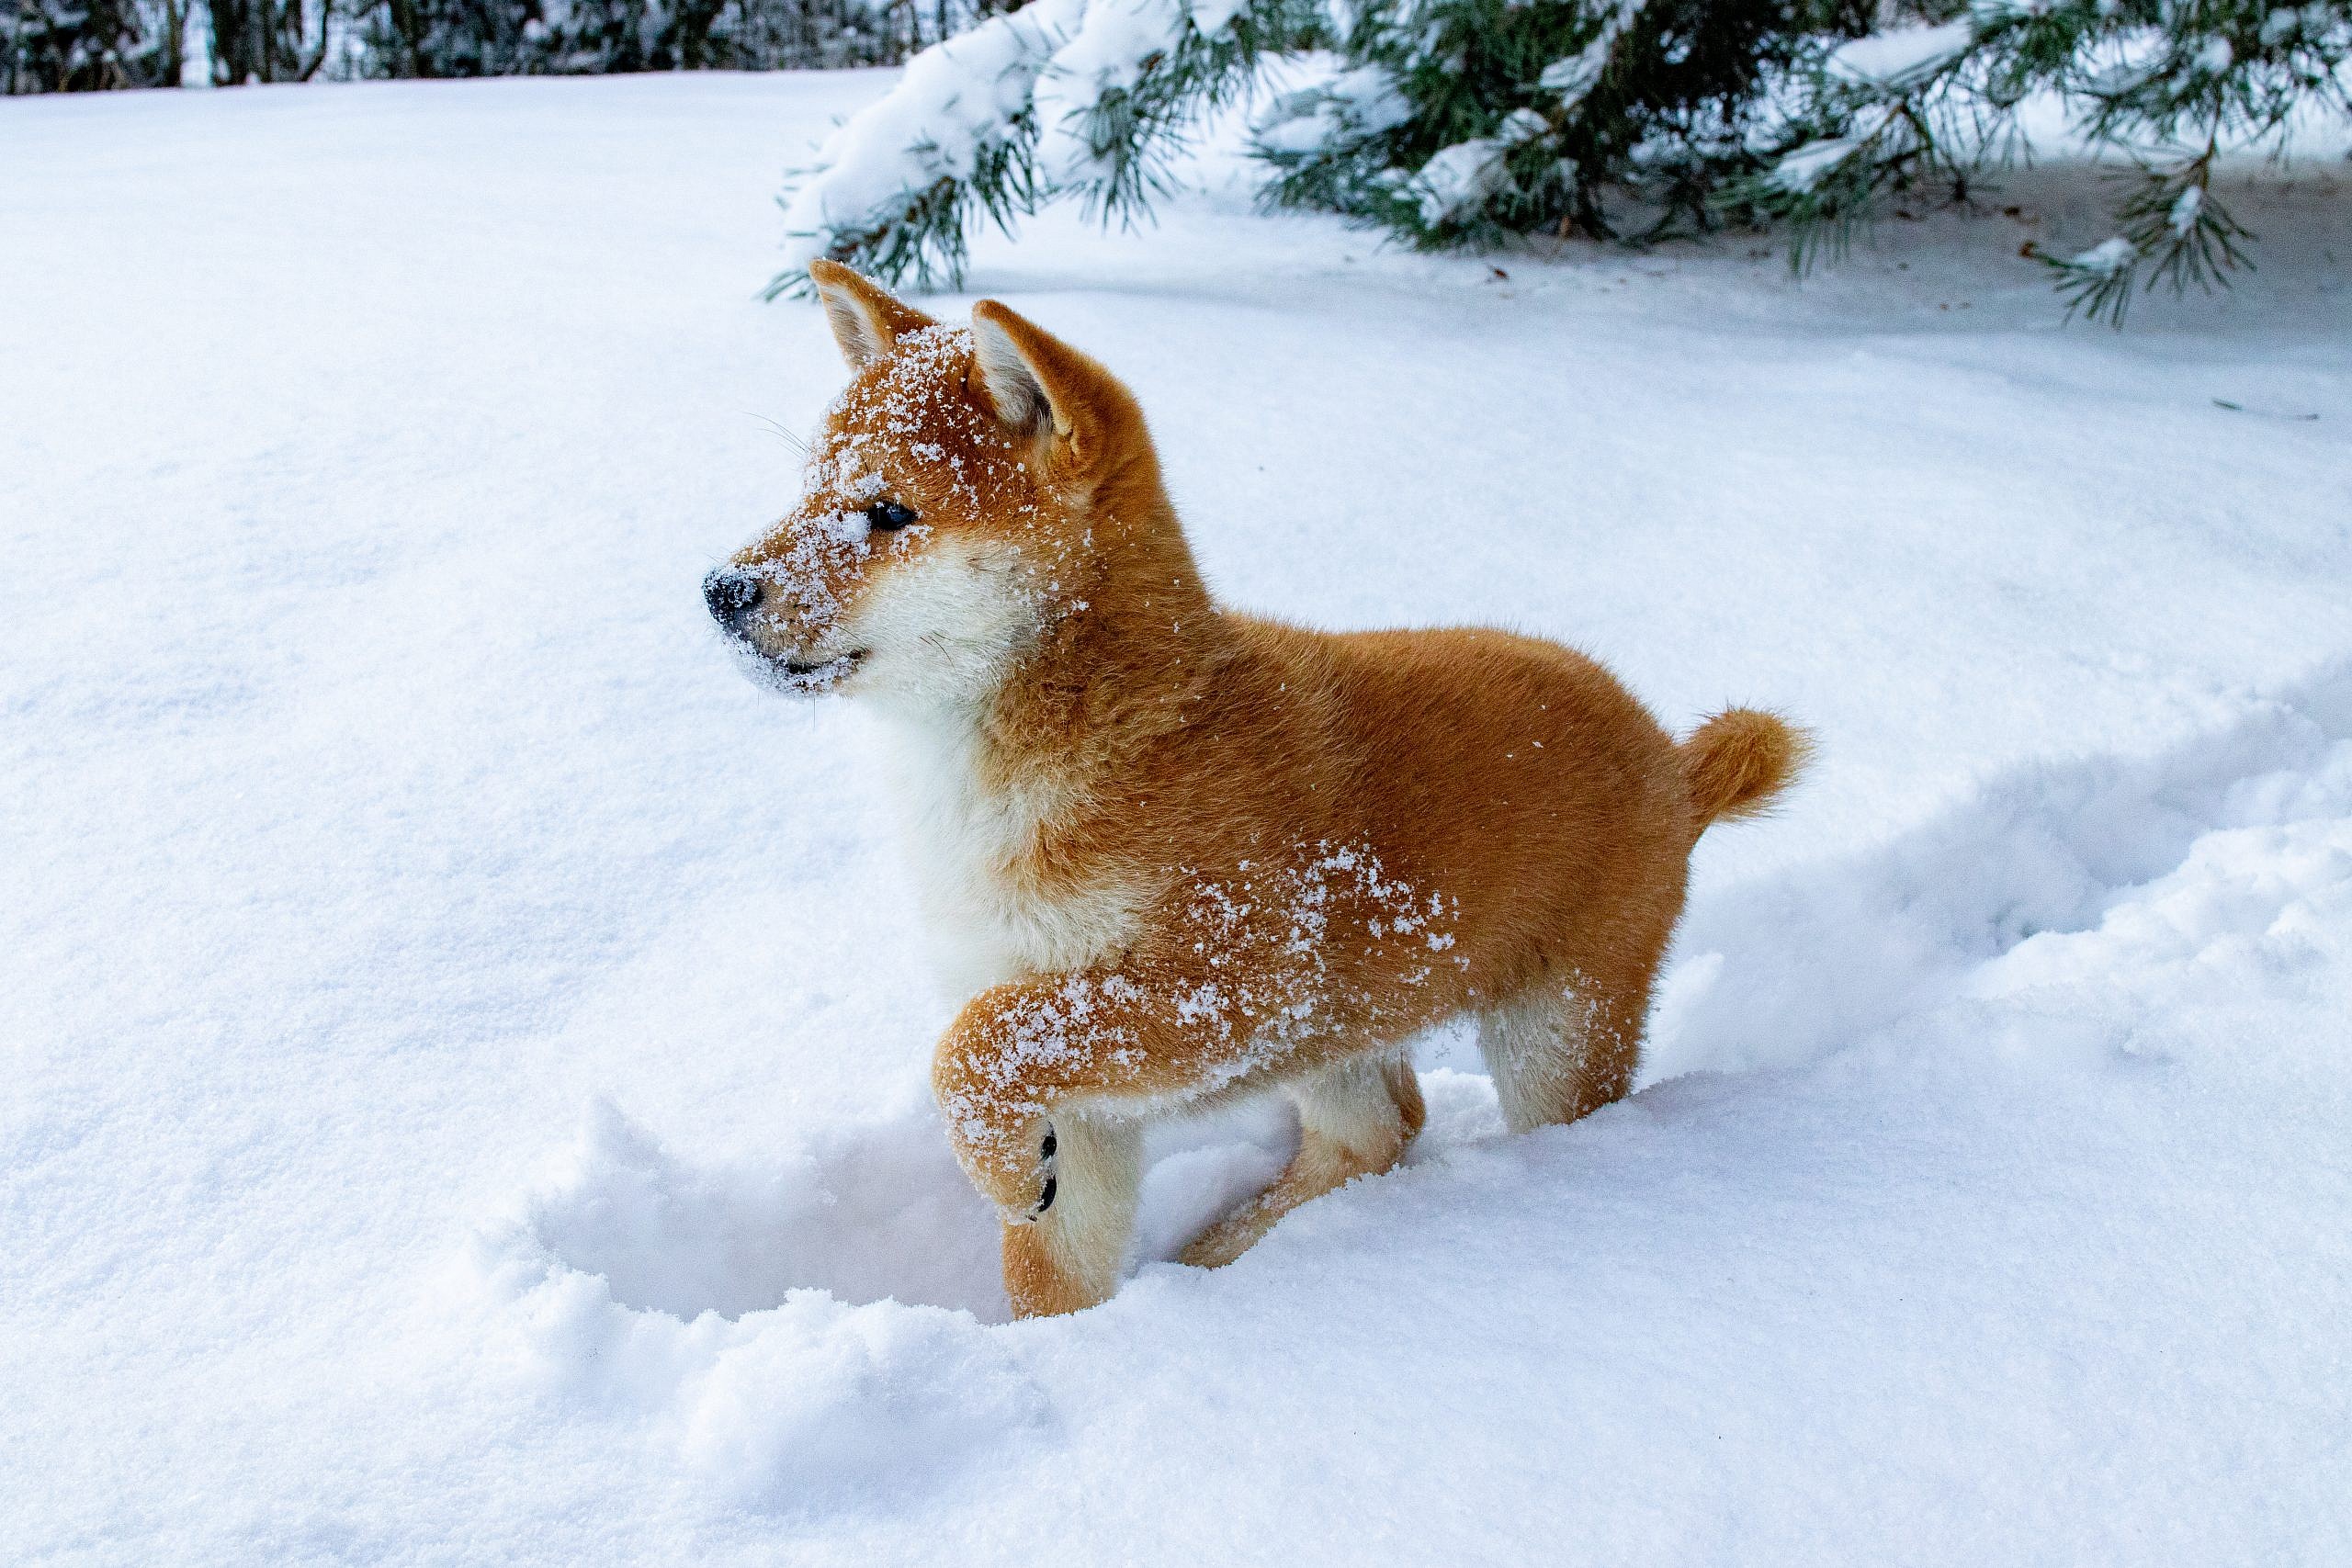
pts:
pixel 1187 853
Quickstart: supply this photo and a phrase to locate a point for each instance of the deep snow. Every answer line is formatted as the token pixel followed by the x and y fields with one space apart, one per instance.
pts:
pixel 466 1099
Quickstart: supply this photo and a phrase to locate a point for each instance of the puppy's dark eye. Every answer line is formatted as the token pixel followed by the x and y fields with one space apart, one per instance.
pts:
pixel 888 514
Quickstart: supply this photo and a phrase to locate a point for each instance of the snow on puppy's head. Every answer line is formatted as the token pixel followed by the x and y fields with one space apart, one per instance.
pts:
pixel 962 497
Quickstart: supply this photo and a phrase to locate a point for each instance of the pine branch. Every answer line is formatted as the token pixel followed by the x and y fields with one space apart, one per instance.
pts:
pixel 1095 98
pixel 1941 101
pixel 2173 232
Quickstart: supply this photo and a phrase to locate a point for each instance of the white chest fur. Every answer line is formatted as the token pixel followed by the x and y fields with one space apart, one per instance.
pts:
pixel 969 844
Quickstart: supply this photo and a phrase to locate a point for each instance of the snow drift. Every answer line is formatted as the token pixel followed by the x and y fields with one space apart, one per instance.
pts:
pixel 466 1096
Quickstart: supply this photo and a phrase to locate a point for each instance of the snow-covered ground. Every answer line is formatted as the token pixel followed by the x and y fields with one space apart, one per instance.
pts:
pixel 464 1097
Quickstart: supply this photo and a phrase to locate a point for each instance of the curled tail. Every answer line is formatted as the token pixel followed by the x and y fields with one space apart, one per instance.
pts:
pixel 1736 762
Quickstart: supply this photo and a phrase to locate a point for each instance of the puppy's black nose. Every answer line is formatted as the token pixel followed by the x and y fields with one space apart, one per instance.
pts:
pixel 730 592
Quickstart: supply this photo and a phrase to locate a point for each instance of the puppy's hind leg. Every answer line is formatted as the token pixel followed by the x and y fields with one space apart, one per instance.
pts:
pixel 1353 1120
pixel 1069 1256
pixel 1559 1053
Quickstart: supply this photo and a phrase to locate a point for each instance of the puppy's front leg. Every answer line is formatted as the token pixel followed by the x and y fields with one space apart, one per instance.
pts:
pixel 1067 1256
pixel 1031 1082
pixel 1018 1054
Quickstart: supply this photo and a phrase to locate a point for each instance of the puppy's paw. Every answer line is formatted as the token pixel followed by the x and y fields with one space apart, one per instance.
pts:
pixel 1001 1138
pixel 1014 1171
pixel 1230 1236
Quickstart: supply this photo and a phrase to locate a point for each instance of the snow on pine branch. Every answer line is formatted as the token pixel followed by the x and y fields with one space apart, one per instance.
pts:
pixel 1459 179
pixel 1804 167
pixel 1115 44
pixel 1904 58
pixel 960 117
pixel 1569 79
pixel 1882 72
pixel 1333 144
pixel 1061 98
pixel 1353 106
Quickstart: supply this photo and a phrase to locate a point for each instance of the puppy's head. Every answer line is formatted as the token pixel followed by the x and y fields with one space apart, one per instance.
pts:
pixel 949 518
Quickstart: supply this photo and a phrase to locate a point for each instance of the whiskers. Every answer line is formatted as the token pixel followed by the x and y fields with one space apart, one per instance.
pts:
pixel 783 434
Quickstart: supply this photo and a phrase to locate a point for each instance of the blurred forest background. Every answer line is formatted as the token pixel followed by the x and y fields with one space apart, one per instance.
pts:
pixel 93 45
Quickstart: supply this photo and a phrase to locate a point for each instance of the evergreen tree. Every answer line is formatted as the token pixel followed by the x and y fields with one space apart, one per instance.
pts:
pixel 1466 121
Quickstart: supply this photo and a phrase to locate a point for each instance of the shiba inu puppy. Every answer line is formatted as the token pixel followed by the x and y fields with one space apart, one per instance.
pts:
pixel 1179 852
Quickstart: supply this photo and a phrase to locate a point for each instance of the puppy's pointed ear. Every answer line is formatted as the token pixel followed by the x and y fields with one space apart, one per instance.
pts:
pixel 1042 389
pixel 867 321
